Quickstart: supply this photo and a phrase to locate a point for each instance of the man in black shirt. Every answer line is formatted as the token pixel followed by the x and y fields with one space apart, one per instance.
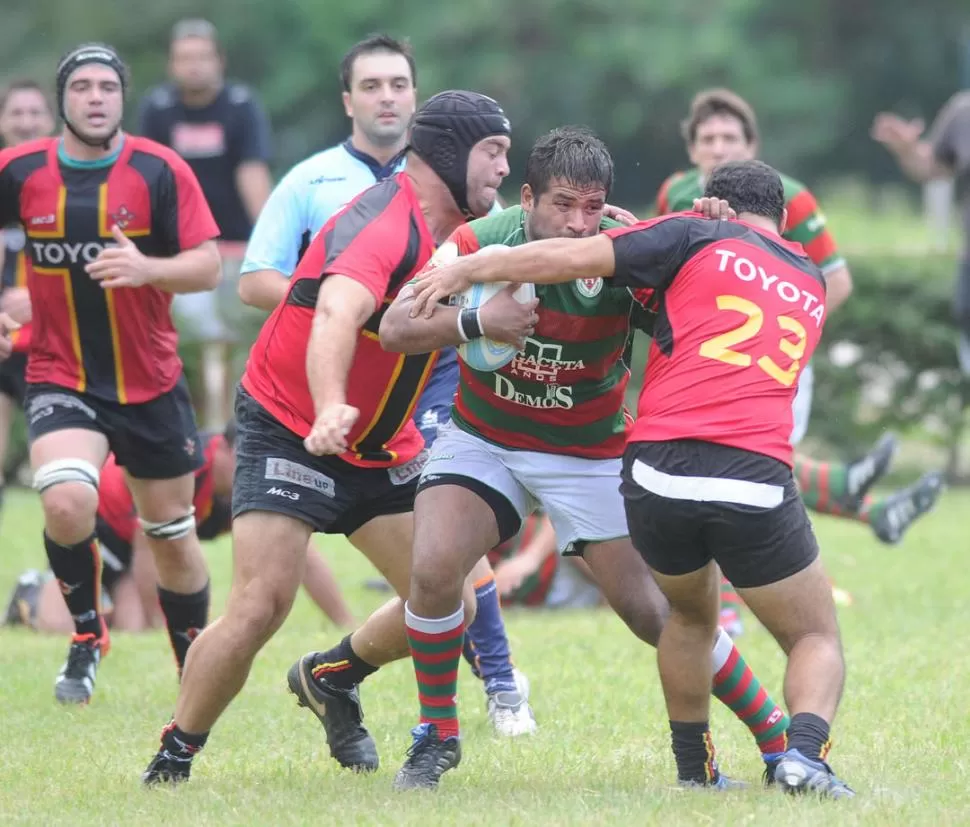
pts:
pixel 217 127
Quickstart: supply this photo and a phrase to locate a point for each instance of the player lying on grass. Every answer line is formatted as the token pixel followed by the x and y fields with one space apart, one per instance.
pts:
pixel 128 574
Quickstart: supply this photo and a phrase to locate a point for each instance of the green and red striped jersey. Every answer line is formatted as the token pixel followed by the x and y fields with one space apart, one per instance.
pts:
pixel 806 222
pixel 564 392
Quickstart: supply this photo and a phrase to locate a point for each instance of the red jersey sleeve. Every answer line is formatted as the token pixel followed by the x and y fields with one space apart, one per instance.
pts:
pixel 367 242
pixel 649 253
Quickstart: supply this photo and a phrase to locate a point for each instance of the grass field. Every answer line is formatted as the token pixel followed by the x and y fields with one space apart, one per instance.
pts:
pixel 601 755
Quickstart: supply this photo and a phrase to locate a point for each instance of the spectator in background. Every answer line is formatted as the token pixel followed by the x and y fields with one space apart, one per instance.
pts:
pixel 25 114
pixel 221 131
pixel 943 153
pixel 219 128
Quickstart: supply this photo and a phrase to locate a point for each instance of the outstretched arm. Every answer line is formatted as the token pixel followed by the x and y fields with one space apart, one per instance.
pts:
pixel 502 318
pixel 550 261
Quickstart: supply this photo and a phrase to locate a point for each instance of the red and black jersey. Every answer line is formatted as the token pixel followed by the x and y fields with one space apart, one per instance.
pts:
pixel 117 344
pixel 117 508
pixel 739 313
pixel 15 275
pixel 381 240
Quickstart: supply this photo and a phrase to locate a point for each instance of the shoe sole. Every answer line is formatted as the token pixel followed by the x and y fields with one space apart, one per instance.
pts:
pixel 69 698
pixel 296 681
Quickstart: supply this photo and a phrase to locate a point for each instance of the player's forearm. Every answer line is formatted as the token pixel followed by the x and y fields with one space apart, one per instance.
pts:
pixel 191 271
pixel 254 185
pixel 543 545
pixel 330 353
pixel 551 261
pixel 401 334
pixel 264 289
pixel 838 287
pixel 918 162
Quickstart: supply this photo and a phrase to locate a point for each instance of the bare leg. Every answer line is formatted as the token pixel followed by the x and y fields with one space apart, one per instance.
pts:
pixel 800 614
pixel 183 576
pixel 269 554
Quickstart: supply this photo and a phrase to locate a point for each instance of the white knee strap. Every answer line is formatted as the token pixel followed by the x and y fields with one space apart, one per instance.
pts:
pixel 169 529
pixel 66 470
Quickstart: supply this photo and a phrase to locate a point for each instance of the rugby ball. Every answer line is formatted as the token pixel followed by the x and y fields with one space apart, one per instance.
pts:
pixel 482 353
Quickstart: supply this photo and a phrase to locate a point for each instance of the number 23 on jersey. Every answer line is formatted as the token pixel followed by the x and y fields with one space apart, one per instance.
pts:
pixel 791 343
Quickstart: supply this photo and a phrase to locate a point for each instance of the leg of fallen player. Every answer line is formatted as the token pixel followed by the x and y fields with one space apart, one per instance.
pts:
pixel 168 525
pixel 632 592
pixel 269 556
pixel 683 656
pixel 66 466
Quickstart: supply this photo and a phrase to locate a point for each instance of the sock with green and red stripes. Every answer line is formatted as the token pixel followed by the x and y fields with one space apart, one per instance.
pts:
pixel 436 651
pixel 823 485
pixel 736 686
pixel 869 508
pixel 730 607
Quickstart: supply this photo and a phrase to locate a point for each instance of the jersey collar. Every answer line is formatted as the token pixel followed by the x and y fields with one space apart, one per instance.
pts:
pixel 380 171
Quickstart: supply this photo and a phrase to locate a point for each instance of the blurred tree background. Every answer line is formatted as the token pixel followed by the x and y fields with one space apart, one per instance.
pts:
pixel 815 72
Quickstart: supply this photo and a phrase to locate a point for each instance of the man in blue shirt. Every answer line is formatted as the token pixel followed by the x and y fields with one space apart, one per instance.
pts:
pixel 379 96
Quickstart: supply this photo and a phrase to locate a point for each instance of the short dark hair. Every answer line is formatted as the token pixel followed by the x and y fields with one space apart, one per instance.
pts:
pixel 711 102
pixel 195 27
pixel 376 43
pixel 23 85
pixel 572 153
pixel 748 186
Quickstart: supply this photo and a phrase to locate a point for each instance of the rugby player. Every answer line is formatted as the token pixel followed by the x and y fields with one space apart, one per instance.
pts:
pixel 707 475
pixel 378 76
pixel 546 430
pixel 326 441
pixel 115 225
pixel 721 126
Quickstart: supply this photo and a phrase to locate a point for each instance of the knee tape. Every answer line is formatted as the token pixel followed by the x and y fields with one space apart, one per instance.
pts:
pixel 170 529
pixel 66 470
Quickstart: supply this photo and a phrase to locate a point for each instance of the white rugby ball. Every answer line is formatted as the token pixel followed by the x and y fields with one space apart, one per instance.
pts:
pixel 482 353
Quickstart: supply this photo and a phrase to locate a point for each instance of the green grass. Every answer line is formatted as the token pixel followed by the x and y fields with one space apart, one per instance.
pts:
pixel 602 754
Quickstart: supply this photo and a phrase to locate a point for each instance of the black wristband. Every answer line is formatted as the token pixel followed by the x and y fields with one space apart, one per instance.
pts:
pixel 470 324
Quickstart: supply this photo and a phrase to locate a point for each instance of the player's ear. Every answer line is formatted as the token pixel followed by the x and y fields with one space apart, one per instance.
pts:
pixel 345 97
pixel 783 222
pixel 525 198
